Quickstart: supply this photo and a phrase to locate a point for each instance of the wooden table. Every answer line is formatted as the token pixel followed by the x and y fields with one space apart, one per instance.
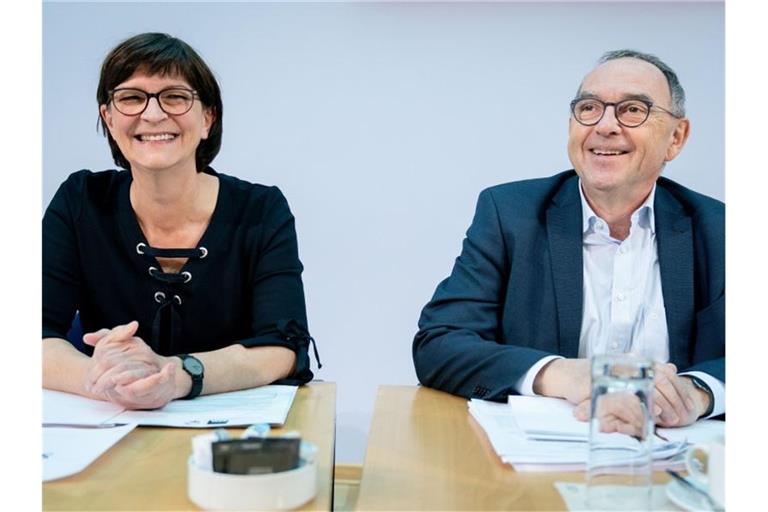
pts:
pixel 426 452
pixel 147 470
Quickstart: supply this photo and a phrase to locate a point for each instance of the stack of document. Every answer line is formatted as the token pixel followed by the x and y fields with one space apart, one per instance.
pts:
pixel 541 434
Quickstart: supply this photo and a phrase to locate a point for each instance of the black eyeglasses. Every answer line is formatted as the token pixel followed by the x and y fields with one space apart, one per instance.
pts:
pixel 629 113
pixel 174 101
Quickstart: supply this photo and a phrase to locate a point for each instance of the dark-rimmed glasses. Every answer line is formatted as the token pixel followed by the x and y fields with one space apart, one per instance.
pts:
pixel 629 113
pixel 174 101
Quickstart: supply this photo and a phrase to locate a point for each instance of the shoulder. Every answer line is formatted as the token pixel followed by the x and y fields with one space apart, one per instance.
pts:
pixel 252 201
pixel 532 190
pixel 696 205
pixel 86 188
pixel 532 197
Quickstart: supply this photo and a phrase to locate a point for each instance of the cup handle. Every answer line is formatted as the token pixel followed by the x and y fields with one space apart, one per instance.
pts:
pixel 694 465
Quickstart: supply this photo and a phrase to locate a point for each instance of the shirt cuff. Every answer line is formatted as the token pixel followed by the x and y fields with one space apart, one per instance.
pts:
pixel 524 385
pixel 718 392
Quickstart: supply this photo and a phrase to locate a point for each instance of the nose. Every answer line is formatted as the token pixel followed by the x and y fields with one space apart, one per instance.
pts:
pixel 153 112
pixel 608 124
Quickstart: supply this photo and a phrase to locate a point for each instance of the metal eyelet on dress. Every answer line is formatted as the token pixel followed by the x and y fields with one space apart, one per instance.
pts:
pixel 203 252
pixel 152 271
pixel 177 299
pixel 139 246
pixel 187 275
pixel 159 297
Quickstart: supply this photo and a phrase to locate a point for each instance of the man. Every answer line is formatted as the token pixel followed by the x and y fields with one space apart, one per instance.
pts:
pixel 608 257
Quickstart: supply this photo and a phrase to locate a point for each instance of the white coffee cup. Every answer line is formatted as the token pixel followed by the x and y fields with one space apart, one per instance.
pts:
pixel 706 467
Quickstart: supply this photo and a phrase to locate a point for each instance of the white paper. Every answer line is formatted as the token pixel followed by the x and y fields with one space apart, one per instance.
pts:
pixel 266 404
pixel 67 451
pixel 60 407
pixel 575 494
pixel 545 417
pixel 564 447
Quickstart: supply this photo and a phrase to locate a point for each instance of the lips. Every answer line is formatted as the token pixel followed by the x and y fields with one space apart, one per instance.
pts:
pixel 155 137
pixel 607 152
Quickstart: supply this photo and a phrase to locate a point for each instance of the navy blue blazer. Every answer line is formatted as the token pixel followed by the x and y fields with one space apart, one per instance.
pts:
pixel 515 294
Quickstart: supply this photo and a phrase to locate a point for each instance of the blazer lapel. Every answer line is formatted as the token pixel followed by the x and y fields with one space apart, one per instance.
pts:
pixel 565 248
pixel 675 249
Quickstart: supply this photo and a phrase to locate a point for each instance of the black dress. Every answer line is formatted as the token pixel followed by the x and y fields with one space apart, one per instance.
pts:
pixel 242 284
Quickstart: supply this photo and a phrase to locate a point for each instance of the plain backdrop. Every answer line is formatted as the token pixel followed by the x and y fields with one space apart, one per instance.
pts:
pixel 381 123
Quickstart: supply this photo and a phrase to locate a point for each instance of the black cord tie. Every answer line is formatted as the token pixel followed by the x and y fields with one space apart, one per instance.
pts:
pixel 170 277
pixel 291 330
pixel 164 345
pixel 195 253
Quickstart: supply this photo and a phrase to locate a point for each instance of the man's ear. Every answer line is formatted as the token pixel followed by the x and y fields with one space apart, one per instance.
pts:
pixel 678 138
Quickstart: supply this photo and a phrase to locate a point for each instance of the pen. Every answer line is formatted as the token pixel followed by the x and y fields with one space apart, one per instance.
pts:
pixel 84 425
pixel 687 483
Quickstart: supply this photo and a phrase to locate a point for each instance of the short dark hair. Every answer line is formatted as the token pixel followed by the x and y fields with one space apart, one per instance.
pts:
pixel 161 54
pixel 676 90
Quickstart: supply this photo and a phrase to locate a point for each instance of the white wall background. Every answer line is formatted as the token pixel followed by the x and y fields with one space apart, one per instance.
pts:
pixel 381 123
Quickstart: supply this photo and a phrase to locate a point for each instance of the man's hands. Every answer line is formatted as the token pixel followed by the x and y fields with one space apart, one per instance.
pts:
pixel 564 378
pixel 126 371
pixel 676 401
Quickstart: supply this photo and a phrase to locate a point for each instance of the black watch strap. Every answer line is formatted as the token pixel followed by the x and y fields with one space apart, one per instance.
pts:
pixel 194 367
pixel 702 385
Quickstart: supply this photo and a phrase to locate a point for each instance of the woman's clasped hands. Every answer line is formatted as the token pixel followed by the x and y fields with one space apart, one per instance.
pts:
pixel 126 371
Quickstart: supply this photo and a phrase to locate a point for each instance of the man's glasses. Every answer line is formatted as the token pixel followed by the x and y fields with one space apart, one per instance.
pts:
pixel 174 101
pixel 629 113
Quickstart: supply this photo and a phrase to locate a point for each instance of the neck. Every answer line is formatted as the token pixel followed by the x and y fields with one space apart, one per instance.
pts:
pixel 616 209
pixel 169 199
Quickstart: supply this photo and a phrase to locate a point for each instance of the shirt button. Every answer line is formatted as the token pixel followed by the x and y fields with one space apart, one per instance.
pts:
pixel 620 297
pixel 614 345
pixel 623 249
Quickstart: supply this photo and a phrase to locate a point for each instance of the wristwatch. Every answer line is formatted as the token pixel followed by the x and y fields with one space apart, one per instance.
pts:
pixel 194 367
pixel 700 384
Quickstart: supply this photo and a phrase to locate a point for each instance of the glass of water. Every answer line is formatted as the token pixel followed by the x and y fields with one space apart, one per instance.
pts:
pixel 620 433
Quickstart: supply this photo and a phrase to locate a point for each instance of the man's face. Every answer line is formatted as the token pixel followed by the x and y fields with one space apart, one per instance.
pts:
pixel 619 163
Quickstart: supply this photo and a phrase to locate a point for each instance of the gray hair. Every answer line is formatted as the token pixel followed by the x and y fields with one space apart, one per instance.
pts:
pixel 675 89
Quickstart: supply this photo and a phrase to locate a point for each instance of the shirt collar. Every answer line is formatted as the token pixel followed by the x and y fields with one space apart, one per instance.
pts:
pixel 644 215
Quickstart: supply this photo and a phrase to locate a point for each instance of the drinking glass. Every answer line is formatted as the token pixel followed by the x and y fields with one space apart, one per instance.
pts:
pixel 620 433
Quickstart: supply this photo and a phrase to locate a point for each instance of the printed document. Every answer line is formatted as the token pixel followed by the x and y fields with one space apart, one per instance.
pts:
pixel 541 434
pixel 266 404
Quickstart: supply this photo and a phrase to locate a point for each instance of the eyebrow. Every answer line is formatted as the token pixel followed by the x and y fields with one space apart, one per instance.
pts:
pixel 635 96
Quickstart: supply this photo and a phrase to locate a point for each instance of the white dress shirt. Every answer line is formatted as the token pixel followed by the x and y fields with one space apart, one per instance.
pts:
pixel 623 304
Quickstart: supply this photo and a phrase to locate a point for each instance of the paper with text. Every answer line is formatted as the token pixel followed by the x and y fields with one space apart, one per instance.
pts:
pixel 266 404
pixel 67 451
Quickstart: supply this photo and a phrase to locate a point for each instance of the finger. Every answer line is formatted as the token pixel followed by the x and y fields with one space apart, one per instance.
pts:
pixel 629 429
pixel 608 424
pixel 669 392
pixel 119 333
pixel 581 411
pixel 670 370
pixel 123 374
pixel 666 413
pixel 143 387
pixel 91 338
pixel 626 407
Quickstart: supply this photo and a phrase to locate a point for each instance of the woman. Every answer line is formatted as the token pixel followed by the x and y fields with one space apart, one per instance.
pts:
pixel 188 280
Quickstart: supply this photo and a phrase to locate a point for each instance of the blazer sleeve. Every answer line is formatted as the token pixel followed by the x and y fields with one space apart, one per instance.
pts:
pixel 459 346
pixel 278 309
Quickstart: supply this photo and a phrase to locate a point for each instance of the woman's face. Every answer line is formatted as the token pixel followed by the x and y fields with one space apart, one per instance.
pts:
pixel 154 140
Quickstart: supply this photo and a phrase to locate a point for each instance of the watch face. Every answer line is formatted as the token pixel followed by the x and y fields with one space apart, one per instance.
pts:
pixel 193 366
